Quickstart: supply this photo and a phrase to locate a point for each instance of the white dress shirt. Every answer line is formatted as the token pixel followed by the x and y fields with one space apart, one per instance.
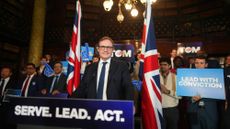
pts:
pixel 5 83
pixel 27 87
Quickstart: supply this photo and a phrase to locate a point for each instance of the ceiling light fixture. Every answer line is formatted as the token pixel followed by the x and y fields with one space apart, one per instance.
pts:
pixel 120 16
pixel 108 4
pixel 128 4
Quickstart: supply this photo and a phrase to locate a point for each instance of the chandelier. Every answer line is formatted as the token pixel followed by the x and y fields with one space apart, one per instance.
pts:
pixel 130 5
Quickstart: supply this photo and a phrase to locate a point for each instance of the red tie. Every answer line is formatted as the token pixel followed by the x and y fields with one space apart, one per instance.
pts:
pixel 25 86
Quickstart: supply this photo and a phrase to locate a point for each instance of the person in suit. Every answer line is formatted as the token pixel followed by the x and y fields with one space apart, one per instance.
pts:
pixel 202 112
pixel 225 105
pixel 173 55
pixel 55 84
pixel 6 81
pixel 106 79
pixel 32 83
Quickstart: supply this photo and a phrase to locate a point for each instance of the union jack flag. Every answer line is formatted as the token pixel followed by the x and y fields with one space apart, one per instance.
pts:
pixel 74 63
pixel 152 116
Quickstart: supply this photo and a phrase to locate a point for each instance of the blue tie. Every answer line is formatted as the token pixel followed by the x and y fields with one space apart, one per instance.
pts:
pixel 101 82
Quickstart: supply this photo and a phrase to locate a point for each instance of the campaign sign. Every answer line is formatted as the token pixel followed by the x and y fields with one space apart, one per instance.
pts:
pixel 124 52
pixel 92 114
pixel 87 53
pixel 208 83
pixel 189 49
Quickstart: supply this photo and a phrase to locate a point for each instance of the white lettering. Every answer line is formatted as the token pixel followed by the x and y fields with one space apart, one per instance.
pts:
pixel 109 115
pixel 32 111
pixel 72 113
pixel 99 115
pixel 122 53
pixel 17 110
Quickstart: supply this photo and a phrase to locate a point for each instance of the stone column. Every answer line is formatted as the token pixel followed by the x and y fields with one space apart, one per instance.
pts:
pixel 37 32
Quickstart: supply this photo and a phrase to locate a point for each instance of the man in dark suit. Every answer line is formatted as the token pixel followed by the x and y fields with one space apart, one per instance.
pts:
pixel 106 79
pixel 225 105
pixel 202 112
pixel 32 83
pixel 56 84
pixel 6 81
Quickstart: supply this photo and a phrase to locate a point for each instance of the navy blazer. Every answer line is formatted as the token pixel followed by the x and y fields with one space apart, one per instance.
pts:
pixel 119 85
pixel 61 84
pixel 35 85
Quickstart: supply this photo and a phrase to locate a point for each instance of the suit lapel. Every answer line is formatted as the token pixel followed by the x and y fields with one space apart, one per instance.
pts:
pixel 9 85
pixel 30 86
pixel 32 82
pixel 59 80
pixel 112 70
pixel 94 75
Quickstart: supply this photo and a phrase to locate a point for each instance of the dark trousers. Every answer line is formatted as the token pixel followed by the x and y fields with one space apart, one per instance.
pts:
pixel 225 119
pixel 201 120
pixel 171 116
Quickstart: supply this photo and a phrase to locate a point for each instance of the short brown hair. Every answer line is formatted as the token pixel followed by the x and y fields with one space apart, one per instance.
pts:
pixel 105 38
pixel 6 67
pixel 165 59
pixel 202 57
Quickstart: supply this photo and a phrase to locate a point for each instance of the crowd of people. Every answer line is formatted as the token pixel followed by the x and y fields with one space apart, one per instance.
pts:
pixel 191 112
pixel 107 78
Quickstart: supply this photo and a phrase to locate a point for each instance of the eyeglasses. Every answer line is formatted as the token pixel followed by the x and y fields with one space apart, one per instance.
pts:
pixel 106 47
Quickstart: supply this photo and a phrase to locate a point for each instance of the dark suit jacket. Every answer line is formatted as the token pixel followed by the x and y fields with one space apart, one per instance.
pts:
pixel 4 107
pixel 35 85
pixel 119 85
pixel 11 84
pixel 60 86
pixel 44 77
pixel 227 83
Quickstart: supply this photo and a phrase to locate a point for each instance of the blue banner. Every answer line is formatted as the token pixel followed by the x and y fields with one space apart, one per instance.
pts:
pixel 93 114
pixel 48 72
pixel 208 83
pixel 87 53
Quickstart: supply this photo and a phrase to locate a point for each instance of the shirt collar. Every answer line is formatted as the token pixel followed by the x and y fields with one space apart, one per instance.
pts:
pixel 6 79
pixel 165 74
pixel 58 75
pixel 31 75
pixel 108 61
